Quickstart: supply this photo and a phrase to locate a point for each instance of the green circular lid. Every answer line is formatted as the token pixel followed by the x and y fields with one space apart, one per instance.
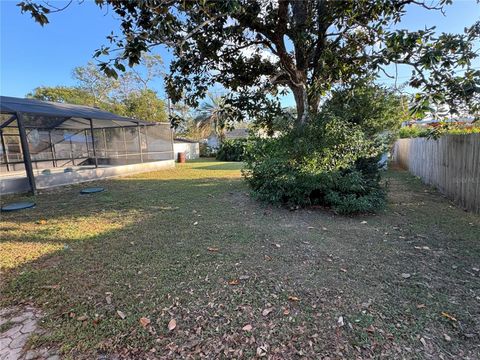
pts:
pixel 91 190
pixel 18 206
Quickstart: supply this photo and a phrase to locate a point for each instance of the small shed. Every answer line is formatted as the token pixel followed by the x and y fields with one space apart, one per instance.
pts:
pixel 45 144
pixel 189 147
pixel 214 142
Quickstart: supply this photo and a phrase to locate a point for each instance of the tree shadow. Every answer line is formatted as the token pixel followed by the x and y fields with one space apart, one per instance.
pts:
pixel 224 166
pixel 63 217
pixel 157 244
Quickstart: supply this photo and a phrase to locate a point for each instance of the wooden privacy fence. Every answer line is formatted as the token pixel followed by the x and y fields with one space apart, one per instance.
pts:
pixel 451 164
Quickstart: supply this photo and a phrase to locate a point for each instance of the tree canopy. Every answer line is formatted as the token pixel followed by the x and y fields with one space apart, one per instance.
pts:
pixel 128 95
pixel 63 94
pixel 258 48
pixel 373 107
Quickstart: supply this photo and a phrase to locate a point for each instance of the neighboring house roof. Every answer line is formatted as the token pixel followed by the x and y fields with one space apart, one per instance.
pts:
pixel 182 140
pixel 236 134
pixel 430 120
pixel 214 141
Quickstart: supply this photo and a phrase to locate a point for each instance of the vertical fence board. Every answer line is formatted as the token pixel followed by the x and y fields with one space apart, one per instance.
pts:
pixel 451 163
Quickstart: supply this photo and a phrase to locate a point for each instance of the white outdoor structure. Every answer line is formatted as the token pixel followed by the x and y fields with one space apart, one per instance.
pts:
pixel 189 147
pixel 46 144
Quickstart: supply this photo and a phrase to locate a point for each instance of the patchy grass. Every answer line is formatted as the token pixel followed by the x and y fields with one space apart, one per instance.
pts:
pixel 189 244
pixel 6 326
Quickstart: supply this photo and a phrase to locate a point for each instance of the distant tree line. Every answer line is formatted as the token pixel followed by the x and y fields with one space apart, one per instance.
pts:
pixel 129 95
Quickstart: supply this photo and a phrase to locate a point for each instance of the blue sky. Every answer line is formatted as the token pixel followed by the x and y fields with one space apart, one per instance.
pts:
pixel 32 56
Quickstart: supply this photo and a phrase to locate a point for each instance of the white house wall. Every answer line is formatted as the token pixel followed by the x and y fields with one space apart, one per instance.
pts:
pixel 191 150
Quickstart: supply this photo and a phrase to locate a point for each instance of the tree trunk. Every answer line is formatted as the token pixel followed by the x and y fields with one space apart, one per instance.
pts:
pixel 301 101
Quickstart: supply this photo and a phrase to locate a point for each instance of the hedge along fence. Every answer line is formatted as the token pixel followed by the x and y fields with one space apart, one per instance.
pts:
pixel 450 163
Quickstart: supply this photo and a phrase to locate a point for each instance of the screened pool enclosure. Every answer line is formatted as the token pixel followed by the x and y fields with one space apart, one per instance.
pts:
pixel 41 139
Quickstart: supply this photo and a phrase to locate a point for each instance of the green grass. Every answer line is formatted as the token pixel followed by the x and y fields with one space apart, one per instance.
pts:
pixel 145 244
pixel 6 326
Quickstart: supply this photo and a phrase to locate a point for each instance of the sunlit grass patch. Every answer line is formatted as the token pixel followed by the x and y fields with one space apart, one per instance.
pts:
pixel 15 253
pixel 24 241
pixel 190 244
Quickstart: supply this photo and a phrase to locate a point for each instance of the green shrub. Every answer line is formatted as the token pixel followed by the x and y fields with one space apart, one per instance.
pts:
pixel 328 162
pixel 206 151
pixel 437 130
pixel 232 150
pixel 412 132
pixel 464 130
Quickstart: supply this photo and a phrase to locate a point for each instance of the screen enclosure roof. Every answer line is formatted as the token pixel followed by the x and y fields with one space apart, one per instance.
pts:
pixel 51 115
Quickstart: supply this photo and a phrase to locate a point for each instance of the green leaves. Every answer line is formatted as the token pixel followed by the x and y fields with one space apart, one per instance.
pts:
pixel 328 162
pixel 256 49
pixel 376 109
pixel 126 95
pixel 37 11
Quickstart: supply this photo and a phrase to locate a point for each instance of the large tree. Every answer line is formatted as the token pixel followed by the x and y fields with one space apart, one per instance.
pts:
pixel 259 47
pixel 95 83
pixel 128 95
pixel 63 94
pixel 145 105
pixel 374 108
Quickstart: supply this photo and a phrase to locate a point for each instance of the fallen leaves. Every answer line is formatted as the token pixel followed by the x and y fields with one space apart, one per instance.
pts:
pixel 172 324
pixel 370 329
pixel 406 275
pixel 213 249
pixel 421 306
pixel 286 312
pixel 262 351
pixel 41 222
pixel 247 327
pixel 343 270
pixel 267 311
pixel 367 304
pixel 448 316
pixel 340 321
pixel 234 282
pixel 121 314
pixel 51 287
pixel 447 338
pixel 144 322
pixel 424 343
pixel 293 298
pixel 82 318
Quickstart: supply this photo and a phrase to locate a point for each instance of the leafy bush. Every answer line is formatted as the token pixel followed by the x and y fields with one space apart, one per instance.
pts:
pixel 232 150
pixel 464 130
pixel 412 132
pixel 437 130
pixel 328 162
pixel 375 108
pixel 206 151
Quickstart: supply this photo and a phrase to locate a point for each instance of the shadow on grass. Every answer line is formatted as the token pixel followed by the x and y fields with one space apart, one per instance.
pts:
pixel 224 166
pixel 146 243
pixel 64 217
pixel 126 242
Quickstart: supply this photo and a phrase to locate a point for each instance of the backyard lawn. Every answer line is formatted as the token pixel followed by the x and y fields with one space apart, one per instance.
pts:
pixel 216 274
